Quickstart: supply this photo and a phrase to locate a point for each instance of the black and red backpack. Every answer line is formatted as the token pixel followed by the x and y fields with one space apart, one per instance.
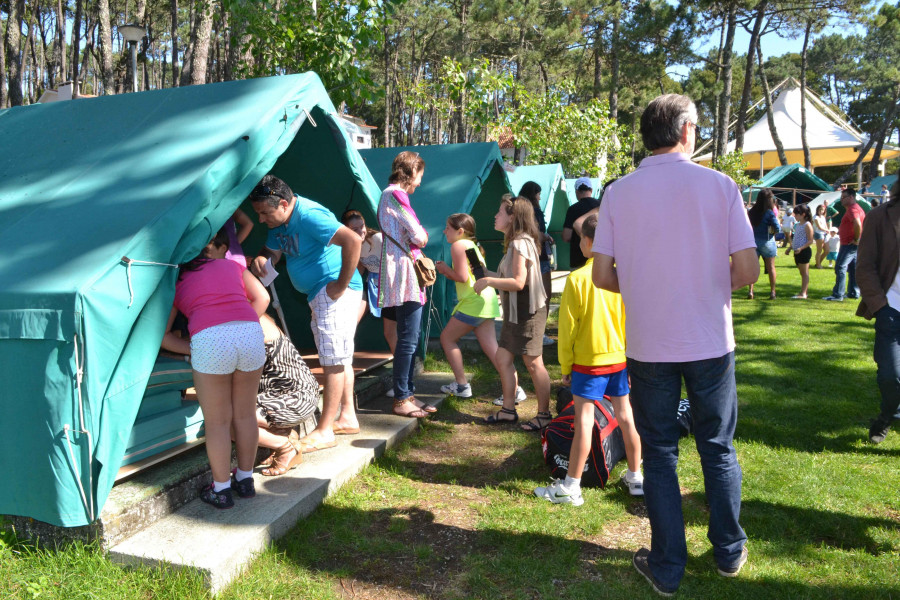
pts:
pixel 607 444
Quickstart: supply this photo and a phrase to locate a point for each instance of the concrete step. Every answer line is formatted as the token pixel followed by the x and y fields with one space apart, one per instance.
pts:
pixel 220 543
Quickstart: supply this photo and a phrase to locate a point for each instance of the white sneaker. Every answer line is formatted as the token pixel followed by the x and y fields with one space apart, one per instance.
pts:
pixel 455 389
pixel 635 485
pixel 389 393
pixel 557 494
pixel 520 397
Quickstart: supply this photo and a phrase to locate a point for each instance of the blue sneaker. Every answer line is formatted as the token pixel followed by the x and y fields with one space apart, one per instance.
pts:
pixel 833 298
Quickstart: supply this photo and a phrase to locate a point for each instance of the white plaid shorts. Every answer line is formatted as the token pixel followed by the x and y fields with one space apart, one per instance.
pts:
pixel 334 325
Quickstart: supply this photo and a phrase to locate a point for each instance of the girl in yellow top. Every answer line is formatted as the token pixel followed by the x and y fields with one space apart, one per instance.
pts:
pixel 592 360
pixel 473 311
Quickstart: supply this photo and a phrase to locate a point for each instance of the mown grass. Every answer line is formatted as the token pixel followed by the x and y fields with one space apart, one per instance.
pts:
pixel 449 514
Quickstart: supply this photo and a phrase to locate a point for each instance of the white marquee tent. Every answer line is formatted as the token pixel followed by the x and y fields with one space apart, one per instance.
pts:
pixel 831 141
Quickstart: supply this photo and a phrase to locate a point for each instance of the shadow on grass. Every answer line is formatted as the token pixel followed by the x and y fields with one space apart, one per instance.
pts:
pixel 404 552
pixel 406 549
pixel 794 527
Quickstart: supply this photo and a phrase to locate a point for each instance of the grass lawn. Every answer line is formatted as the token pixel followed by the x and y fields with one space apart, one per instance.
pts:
pixel 450 514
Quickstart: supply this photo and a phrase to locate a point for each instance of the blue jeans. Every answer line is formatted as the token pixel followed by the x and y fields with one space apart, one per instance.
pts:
pixel 845 263
pixel 655 394
pixel 887 357
pixel 409 322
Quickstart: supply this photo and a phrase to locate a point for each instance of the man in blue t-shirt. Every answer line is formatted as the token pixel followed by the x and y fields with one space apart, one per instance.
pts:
pixel 321 258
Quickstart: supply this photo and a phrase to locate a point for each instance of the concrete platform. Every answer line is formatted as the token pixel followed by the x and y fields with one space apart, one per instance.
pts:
pixel 220 543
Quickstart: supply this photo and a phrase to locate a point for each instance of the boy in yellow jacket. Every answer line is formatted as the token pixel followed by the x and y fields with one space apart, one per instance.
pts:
pixel 592 359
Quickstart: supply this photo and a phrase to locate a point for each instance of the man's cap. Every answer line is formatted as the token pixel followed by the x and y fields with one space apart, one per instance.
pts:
pixel 584 183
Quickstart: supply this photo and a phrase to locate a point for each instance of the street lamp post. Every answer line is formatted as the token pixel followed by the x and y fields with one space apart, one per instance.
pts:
pixel 133 34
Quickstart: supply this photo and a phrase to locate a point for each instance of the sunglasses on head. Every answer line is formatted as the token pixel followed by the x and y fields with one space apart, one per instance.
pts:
pixel 264 191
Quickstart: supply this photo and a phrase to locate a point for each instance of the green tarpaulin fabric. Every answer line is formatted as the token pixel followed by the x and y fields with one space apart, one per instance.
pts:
pixel 554 199
pixel 790 176
pixel 99 197
pixel 459 178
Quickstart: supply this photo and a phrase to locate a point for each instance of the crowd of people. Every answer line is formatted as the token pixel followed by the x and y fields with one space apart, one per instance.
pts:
pixel 255 389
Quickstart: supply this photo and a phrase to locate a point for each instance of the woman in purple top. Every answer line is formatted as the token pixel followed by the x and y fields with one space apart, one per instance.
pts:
pixel 238 228
pixel 399 291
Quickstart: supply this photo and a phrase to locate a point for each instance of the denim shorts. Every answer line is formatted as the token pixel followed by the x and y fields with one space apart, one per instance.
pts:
pixel 766 249
pixel 593 387
pixel 819 235
pixel 469 319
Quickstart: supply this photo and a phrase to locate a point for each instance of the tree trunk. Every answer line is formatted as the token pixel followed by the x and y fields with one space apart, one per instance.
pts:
pixel 174 16
pixel 804 64
pixel 195 67
pixel 715 138
pixel 741 124
pixel 614 69
pixel 387 75
pixel 13 50
pixel 76 47
pixel 4 96
pixel 463 51
pixel 876 158
pixel 60 50
pixel 779 147
pixel 725 104
pixel 517 152
pixel 106 62
pixel 598 60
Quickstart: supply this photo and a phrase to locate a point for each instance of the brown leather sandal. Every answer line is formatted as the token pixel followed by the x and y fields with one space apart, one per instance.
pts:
pixel 408 408
pixel 283 461
pixel 290 433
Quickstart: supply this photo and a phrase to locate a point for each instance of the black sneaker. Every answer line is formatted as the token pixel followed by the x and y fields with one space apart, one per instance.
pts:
pixel 643 567
pixel 221 499
pixel 244 488
pixel 879 430
pixel 733 571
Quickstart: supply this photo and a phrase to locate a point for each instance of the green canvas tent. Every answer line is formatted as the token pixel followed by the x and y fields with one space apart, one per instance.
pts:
pixel 888 180
pixel 836 210
pixel 99 198
pixel 554 199
pixel 789 176
pixel 459 178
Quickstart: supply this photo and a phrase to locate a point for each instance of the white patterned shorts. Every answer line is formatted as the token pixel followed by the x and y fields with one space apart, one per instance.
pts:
pixel 229 347
pixel 334 325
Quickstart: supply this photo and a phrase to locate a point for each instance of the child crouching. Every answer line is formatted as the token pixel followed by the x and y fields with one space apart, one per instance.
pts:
pixel 592 359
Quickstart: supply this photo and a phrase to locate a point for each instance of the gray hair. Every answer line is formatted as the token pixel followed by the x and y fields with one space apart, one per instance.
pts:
pixel 664 118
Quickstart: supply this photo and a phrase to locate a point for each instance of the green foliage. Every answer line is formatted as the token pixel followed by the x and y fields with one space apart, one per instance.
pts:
pixel 735 166
pixel 289 36
pixel 578 136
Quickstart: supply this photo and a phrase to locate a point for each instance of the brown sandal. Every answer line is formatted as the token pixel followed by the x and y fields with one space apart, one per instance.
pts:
pixel 421 404
pixel 290 433
pixel 281 464
pixel 408 408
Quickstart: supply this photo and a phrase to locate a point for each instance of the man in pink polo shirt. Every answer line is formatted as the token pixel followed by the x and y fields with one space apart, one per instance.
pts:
pixel 674 239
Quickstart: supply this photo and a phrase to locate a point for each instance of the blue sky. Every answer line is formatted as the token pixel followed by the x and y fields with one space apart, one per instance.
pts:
pixel 772 43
